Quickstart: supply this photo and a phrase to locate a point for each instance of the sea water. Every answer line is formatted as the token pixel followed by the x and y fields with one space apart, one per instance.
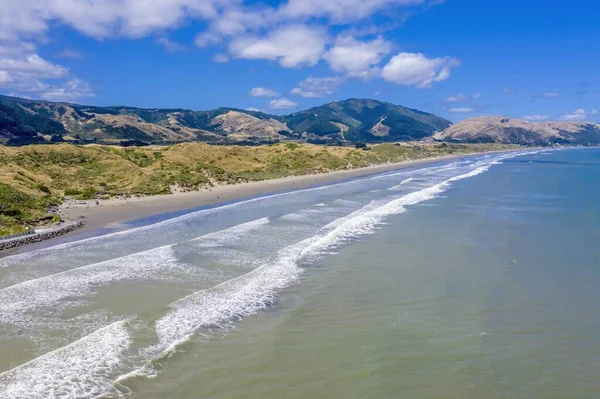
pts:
pixel 472 278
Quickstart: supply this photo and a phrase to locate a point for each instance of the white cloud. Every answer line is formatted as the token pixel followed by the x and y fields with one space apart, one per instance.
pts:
pixel 508 90
pixel 579 114
pixel 317 87
pixel 220 58
pixel 262 92
pixel 463 110
pixel 536 118
pixel 170 46
pixel 252 109
pixel 414 69
pixel 292 46
pixel 5 78
pixel 136 18
pixel 549 95
pixel 477 96
pixel 207 38
pixel 68 91
pixel 31 65
pixel 356 58
pixel 282 103
pixel 293 33
pixel 456 98
pixel 102 18
pixel 340 10
pixel 24 71
pixel 594 112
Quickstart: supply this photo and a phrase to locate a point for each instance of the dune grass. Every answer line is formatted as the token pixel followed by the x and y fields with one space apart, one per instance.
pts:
pixel 37 177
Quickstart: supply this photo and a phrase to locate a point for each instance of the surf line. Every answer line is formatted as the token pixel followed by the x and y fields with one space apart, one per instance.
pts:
pixel 15 300
pixel 82 368
pixel 217 209
pixel 245 295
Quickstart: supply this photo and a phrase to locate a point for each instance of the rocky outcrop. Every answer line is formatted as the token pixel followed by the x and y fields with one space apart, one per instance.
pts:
pixel 37 237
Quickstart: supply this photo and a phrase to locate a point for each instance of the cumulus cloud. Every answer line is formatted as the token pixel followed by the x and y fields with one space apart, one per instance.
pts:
pixel 536 118
pixel 31 65
pixel 169 45
pixel 102 18
pixel 414 69
pixel 252 109
pixel 577 115
pixel 207 38
pixel 137 18
pixel 317 87
pixel 22 70
pixel 356 58
pixel 293 33
pixel 456 98
pixel 463 110
pixel 292 46
pixel 262 92
pixel 68 91
pixel 282 103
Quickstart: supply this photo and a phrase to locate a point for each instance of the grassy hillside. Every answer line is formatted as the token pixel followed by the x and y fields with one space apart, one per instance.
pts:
pixel 34 178
pixel 365 120
pixel 24 121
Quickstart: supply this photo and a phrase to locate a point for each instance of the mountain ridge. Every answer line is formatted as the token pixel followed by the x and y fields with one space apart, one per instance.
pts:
pixel 351 121
pixel 24 121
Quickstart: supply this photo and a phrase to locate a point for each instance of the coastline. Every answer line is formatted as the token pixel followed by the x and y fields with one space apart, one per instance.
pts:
pixel 116 213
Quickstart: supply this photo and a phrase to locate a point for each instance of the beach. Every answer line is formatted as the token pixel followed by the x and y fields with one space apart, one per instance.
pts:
pixel 115 212
pixel 472 277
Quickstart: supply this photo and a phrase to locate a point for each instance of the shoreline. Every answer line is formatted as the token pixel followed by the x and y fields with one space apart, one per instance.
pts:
pixel 116 213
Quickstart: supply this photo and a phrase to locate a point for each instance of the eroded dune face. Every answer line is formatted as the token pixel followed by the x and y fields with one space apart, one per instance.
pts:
pixel 497 129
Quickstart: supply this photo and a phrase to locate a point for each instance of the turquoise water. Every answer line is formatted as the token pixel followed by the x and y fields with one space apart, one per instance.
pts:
pixel 476 278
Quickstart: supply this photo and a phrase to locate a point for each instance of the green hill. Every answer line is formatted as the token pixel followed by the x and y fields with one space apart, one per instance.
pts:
pixel 365 120
pixel 24 121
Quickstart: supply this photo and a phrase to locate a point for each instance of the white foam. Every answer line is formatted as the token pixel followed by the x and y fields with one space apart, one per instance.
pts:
pixel 83 369
pixel 303 216
pixel 256 290
pixel 233 233
pixel 48 291
pixel 403 182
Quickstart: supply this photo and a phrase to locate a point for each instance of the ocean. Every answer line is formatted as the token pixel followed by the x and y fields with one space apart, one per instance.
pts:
pixel 476 278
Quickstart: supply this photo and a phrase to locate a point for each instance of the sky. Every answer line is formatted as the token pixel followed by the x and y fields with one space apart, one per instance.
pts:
pixel 532 59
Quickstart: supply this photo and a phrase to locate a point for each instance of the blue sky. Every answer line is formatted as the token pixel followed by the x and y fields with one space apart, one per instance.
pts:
pixel 456 58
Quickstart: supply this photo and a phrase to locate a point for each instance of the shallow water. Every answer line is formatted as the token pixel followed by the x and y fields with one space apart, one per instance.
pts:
pixel 476 278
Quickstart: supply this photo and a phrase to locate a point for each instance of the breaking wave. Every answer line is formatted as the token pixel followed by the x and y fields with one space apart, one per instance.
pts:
pixel 83 369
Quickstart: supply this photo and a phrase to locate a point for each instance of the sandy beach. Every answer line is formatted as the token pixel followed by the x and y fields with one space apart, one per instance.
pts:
pixel 113 213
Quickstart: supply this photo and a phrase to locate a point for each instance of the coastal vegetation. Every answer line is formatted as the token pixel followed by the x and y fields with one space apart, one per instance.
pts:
pixel 36 178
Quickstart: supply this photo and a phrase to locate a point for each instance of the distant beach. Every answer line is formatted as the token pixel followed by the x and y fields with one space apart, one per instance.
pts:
pixel 113 213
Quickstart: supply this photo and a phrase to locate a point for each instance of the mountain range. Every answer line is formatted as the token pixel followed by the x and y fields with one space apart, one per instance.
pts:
pixel 25 121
